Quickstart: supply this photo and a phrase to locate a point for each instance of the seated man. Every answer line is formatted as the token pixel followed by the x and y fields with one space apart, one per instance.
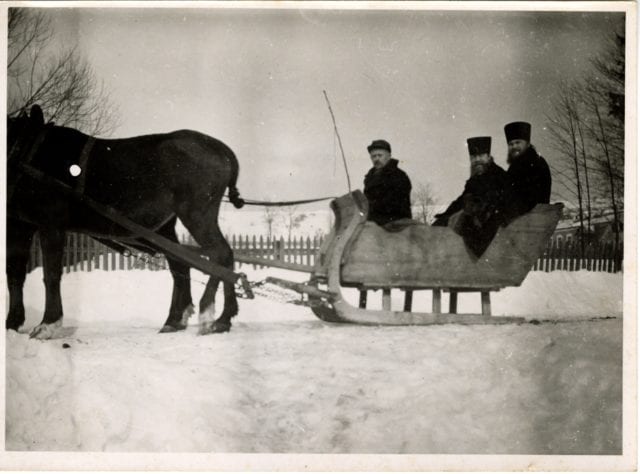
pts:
pixel 478 211
pixel 529 175
pixel 386 186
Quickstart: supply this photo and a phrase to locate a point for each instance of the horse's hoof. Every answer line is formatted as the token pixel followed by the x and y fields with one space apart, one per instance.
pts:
pixel 169 328
pixel 205 328
pixel 214 328
pixel 45 331
pixel 221 327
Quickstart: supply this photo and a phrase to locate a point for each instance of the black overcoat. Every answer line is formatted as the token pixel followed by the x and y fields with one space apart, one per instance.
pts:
pixel 482 202
pixel 529 183
pixel 388 191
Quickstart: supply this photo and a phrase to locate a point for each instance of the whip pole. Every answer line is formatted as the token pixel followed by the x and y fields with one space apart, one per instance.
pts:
pixel 335 128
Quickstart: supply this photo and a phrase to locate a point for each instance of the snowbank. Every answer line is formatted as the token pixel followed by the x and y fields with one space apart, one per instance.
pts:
pixel 283 381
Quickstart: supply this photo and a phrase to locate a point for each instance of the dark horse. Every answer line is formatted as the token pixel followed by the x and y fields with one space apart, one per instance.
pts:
pixel 151 180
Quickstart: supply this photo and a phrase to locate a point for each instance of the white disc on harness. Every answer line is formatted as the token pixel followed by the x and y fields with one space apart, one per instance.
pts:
pixel 75 170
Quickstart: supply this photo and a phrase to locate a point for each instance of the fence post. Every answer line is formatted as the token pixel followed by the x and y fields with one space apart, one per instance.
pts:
pixel 564 261
pixel 545 257
pixel 280 255
pixel 293 252
pixel 88 253
pixel 130 261
pixel 261 250
pixel 307 258
pixel 254 250
pixel 570 256
pixel 247 245
pixel 105 257
pixel 113 259
pixel 271 242
pixel 98 254
pixel 612 257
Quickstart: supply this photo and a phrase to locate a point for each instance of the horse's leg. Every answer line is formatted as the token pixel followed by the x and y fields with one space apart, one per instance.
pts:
pixel 205 230
pixel 181 303
pixel 19 238
pixel 207 309
pixel 52 243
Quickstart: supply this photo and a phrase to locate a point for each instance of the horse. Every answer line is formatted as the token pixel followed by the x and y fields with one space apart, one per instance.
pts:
pixel 153 180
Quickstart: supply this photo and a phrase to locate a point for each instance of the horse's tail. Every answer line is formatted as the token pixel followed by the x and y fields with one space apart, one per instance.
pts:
pixel 234 194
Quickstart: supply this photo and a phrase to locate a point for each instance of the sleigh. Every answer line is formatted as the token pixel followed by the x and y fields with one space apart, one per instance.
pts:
pixel 362 255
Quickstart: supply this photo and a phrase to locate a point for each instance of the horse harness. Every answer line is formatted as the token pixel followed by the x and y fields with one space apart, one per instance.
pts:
pixel 15 159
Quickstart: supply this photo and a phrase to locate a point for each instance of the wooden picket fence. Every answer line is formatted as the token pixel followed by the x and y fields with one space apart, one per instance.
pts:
pixel 566 255
pixel 83 253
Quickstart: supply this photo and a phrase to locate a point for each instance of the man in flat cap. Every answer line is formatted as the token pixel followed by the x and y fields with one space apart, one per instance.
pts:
pixel 529 175
pixel 478 211
pixel 386 186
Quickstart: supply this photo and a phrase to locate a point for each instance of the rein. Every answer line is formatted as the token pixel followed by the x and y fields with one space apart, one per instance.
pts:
pixel 253 202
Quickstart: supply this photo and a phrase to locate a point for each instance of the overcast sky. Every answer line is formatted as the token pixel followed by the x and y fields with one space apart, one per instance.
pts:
pixel 423 80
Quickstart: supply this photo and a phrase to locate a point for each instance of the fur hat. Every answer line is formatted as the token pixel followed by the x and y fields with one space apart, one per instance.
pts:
pixel 518 131
pixel 379 145
pixel 479 145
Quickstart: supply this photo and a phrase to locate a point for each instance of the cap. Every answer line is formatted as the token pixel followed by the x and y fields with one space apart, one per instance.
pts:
pixel 479 145
pixel 379 145
pixel 517 131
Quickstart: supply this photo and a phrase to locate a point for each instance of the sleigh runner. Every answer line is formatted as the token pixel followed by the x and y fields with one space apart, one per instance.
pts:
pixel 360 254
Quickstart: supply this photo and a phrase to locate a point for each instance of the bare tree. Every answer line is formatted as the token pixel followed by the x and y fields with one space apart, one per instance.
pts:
pixel 612 168
pixel 587 127
pixel 269 217
pixel 424 199
pixel 293 219
pixel 611 65
pixel 563 125
pixel 62 83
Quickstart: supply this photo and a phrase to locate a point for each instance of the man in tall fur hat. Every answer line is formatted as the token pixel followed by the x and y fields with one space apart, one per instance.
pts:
pixel 386 186
pixel 478 211
pixel 529 175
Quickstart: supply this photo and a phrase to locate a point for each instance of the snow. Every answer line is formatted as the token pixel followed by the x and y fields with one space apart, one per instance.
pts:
pixel 283 381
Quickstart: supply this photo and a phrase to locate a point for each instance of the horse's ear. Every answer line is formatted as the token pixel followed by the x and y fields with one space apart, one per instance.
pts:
pixel 36 115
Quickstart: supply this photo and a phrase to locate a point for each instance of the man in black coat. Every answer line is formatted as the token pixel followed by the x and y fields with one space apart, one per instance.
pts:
pixel 386 186
pixel 529 175
pixel 478 212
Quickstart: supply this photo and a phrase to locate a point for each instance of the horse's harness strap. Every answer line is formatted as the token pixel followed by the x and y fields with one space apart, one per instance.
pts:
pixel 82 163
pixel 33 149
pixel 14 157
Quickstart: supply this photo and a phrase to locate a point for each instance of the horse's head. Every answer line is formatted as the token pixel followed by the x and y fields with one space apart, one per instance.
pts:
pixel 24 127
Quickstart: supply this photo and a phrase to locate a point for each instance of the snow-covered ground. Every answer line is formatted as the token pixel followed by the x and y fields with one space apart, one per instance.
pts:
pixel 283 381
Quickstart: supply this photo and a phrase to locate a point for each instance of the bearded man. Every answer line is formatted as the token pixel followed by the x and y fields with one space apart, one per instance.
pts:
pixel 478 212
pixel 529 175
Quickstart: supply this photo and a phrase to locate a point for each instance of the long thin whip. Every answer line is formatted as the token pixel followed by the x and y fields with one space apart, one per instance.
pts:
pixel 335 128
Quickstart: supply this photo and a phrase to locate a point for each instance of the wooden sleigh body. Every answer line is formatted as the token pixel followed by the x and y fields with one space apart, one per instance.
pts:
pixel 360 254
